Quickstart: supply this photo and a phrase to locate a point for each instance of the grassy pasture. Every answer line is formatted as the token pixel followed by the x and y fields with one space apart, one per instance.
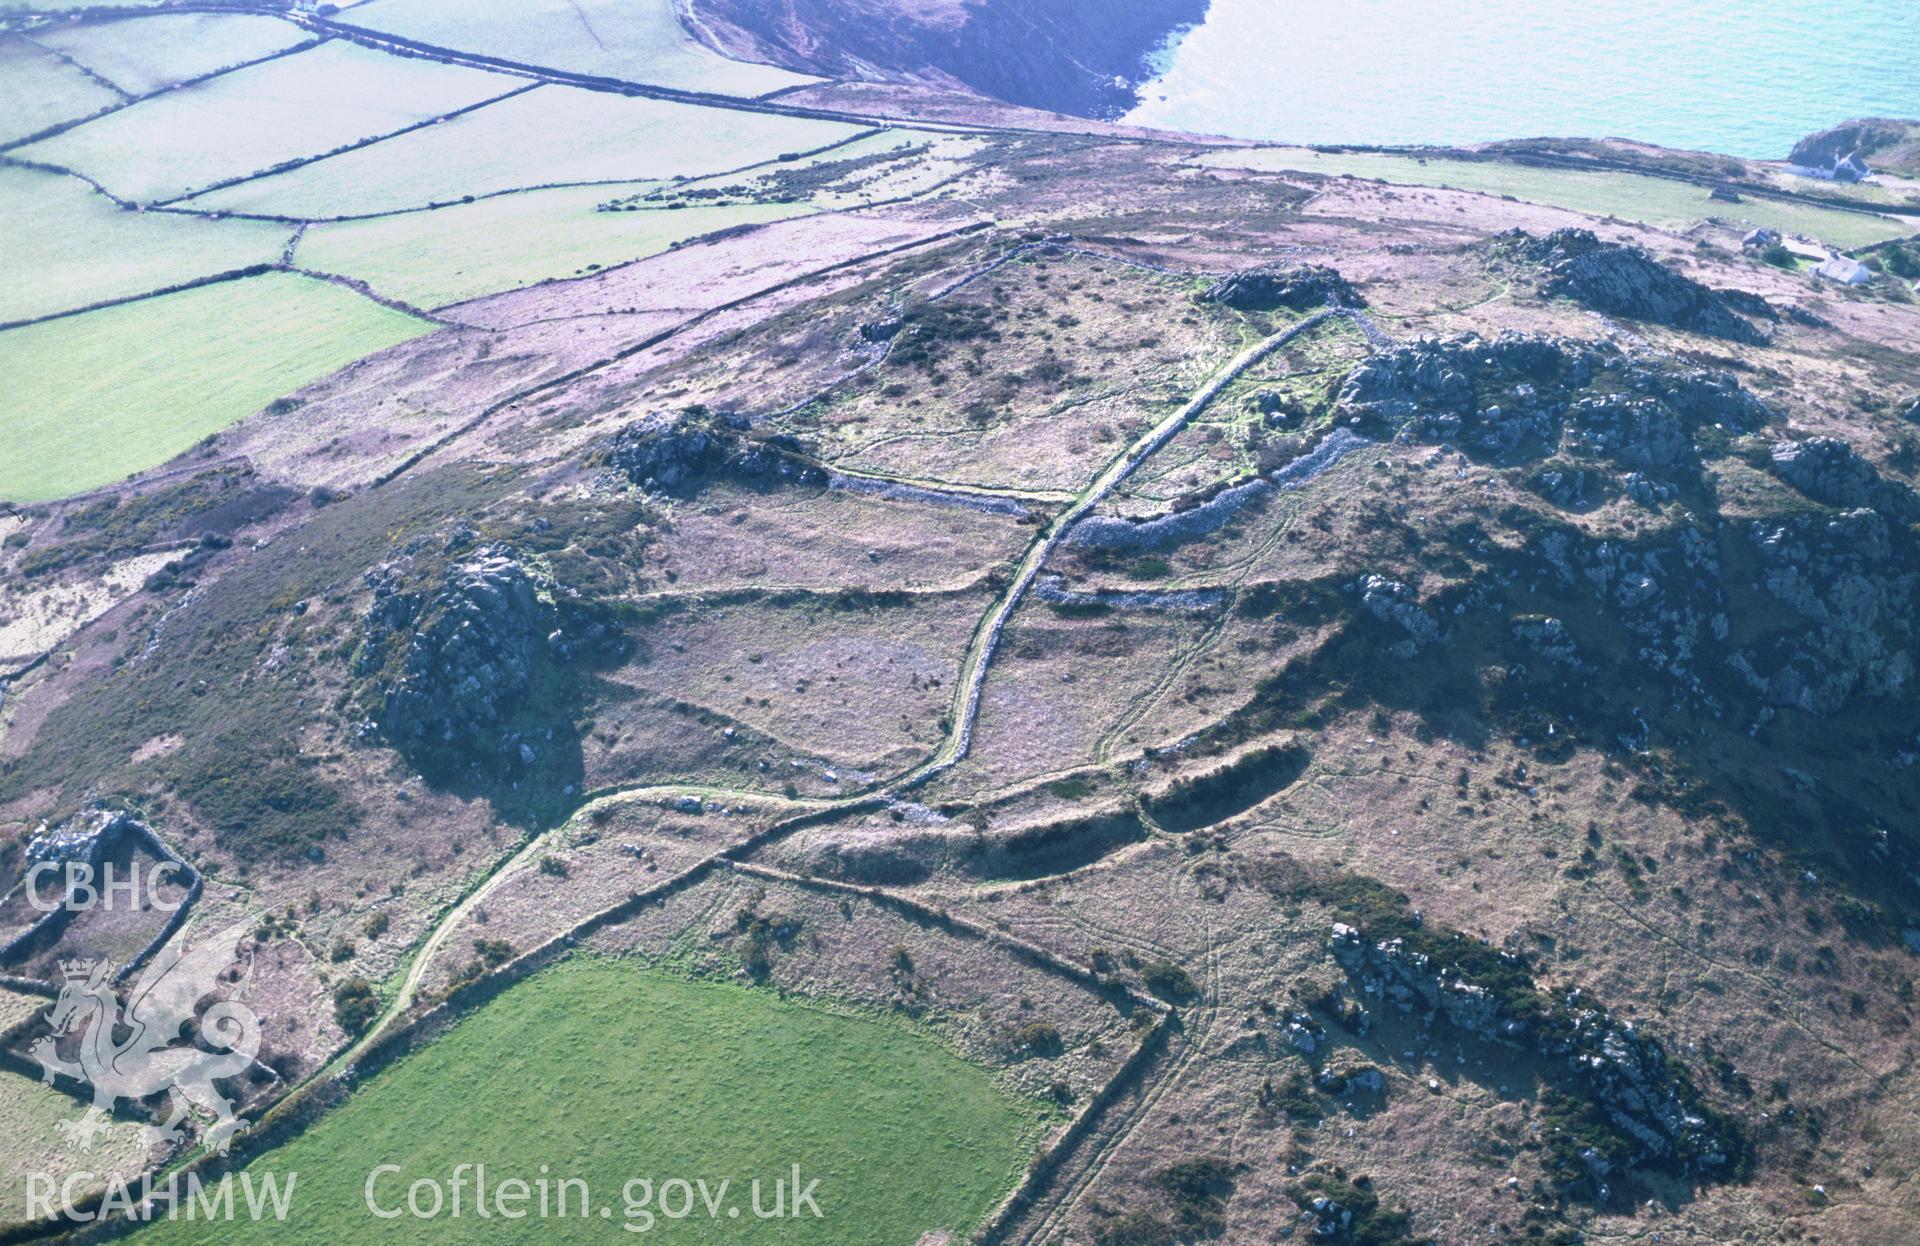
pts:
pixel 605 1071
pixel 252 119
pixel 95 397
pixel 38 90
pixel 432 259
pixel 30 1116
pixel 64 246
pixel 1651 200
pixel 633 40
pixel 547 136
pixel 143 55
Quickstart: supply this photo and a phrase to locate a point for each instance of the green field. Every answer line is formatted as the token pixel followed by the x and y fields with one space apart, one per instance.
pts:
pixel 253 119
pixel 30 1119
pixel 431 259
pixel 519 142
pixel 634 40
pixel 92 398
pixel 147 53
pixel 64 246
pixel 1654 201
pixel 604 1071
pixel 37 90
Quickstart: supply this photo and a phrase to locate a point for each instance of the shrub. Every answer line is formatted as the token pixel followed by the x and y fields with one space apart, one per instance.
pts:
pixel 1136 1228
pixel 1169 981
pixel 261 802
pixel 1200 1189
pixel 355 1005
pixel 1371 1224
pixel 495 952
pixel 1038 1038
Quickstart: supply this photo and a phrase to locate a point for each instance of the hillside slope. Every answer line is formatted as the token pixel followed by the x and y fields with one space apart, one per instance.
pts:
pixel 1070 56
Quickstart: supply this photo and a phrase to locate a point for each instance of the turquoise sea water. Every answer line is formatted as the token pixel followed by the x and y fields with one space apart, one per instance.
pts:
pixel 1745 77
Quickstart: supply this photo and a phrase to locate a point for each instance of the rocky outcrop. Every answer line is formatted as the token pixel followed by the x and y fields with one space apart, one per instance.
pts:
pixel 1271 287
pixel 1845 150
pixel 1500 398
pixel 1627 281
pixel 1844 618
pixel 1853 585
pixel 1521 397
pixel 681 452
pixel 1666 595
pixel 1398 606
pixel 1831 472
pixel 1839 604
pixel 1625 1074
pixel 472 675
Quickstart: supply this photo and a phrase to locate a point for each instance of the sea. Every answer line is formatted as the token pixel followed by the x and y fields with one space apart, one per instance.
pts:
pixel 1741 77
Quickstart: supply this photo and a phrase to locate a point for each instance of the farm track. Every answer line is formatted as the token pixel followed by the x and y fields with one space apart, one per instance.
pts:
pixel 987 639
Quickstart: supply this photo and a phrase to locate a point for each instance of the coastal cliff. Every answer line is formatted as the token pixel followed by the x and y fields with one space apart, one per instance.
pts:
pixel 1080 57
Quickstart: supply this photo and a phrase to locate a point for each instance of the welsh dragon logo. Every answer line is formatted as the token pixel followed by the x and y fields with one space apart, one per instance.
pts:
pixel 152 1056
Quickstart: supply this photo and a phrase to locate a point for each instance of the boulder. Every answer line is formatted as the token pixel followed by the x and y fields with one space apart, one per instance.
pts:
pixel 1547 639
pixel 1283 411
pixel 1395 604
pixel 1571 488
